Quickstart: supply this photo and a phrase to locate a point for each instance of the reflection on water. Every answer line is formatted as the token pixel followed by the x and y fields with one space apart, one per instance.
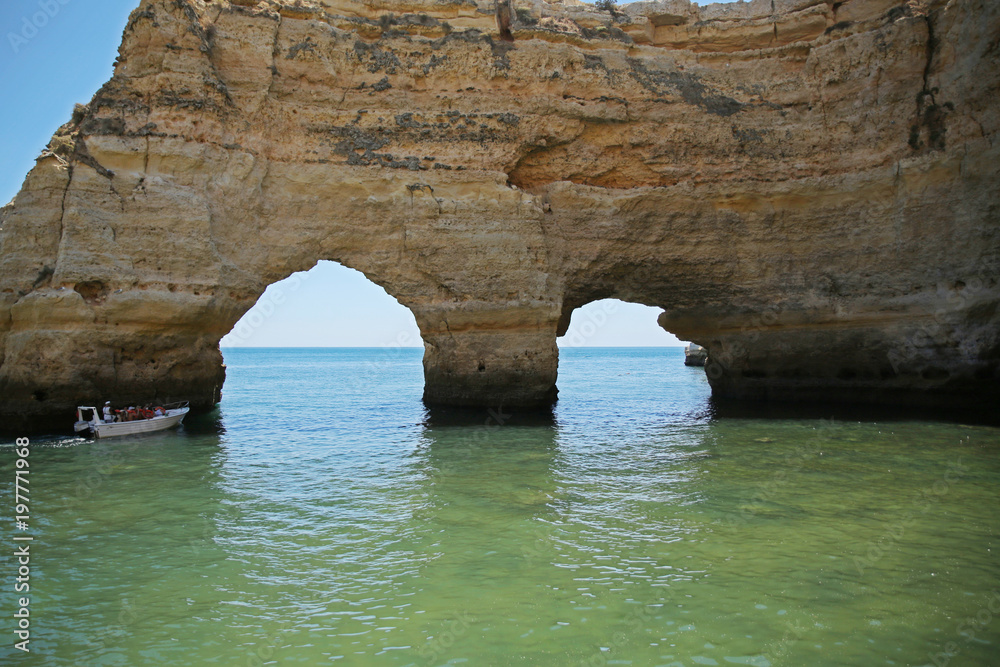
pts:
pixel 320 515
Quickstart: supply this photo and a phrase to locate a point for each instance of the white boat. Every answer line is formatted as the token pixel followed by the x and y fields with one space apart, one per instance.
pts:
pixel 88 419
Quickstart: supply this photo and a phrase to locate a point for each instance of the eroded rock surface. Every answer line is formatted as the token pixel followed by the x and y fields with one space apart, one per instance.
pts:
pixel 808 188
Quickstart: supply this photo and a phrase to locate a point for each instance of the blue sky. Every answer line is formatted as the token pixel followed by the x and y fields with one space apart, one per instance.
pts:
pixel 55 53
pixel 333 306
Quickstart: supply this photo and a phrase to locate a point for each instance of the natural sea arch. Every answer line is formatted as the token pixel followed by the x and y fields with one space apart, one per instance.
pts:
pixel 333 306
pixel 807 189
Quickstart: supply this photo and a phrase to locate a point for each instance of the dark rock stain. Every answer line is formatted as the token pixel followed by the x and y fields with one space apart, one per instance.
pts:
pixel 296 49
pixel 688 86
pixel 375 59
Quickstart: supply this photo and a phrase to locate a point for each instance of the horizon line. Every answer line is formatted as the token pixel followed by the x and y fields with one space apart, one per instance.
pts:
pixel 414 347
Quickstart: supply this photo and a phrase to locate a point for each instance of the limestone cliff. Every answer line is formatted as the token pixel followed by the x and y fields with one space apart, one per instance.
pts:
pixel 808 188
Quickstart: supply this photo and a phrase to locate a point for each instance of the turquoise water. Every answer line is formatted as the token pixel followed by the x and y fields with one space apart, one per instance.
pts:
pixel 318 516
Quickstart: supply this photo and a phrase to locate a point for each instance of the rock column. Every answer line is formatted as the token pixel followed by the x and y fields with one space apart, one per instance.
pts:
pixel 508 359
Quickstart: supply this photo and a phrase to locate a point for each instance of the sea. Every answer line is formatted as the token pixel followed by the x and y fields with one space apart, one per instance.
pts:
pixel 322 515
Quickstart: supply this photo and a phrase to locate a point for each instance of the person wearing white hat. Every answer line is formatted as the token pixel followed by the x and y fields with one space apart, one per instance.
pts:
pixel 108 415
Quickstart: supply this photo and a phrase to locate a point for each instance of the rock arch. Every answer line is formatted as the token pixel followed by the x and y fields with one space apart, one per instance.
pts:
pixel 808 188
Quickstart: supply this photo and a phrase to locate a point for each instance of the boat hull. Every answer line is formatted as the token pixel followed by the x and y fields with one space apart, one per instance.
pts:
pixel 172 418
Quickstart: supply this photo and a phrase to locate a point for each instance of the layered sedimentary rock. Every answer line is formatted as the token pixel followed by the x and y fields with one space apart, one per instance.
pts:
pixel 808 188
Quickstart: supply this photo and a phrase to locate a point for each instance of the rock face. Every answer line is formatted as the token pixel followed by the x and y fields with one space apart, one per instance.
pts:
pixel 808 188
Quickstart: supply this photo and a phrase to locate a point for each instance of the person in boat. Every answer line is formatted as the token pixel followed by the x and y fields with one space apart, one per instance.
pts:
pixel 159 412
pixel 109 415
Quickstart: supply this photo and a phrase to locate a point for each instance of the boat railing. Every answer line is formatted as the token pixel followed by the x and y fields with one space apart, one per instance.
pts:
pixel 176 405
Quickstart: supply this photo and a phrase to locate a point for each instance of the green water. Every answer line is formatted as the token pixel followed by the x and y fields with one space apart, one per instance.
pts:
pixel 629 531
